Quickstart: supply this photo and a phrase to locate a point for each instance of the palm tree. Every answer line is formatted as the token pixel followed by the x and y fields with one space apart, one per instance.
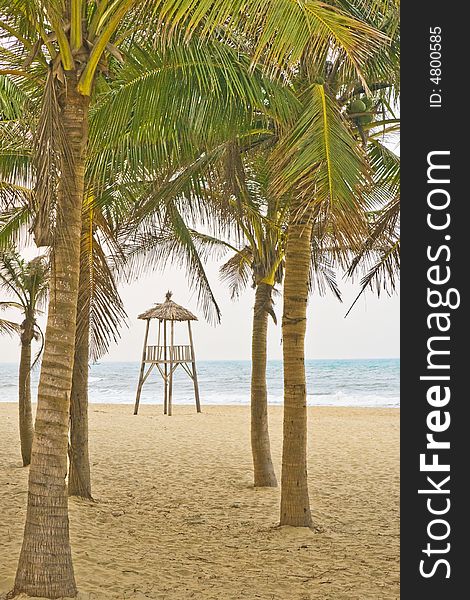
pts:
pixel 322 166
pixel 28 283
pixel 99 310
pixel 257 220
pixel 99 315
pixel 318 164
pixel 261 220
pixel 346 224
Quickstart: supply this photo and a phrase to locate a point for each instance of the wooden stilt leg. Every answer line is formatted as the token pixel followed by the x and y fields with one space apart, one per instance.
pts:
pixel 196 388
pixel 193 365
pixel 170 376
pixel 139 390
pixel 142 367
pixel 165 370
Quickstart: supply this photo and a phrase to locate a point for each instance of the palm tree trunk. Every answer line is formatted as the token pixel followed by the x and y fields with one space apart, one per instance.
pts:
pixel 79 475
pixel 264 475
pixel 24 396
pixel 295 505
pixel 45 564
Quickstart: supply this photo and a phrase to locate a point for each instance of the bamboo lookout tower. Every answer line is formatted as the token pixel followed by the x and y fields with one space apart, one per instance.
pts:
pixel 167 357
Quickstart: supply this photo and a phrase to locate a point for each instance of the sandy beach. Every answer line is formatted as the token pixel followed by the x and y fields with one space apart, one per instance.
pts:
pixel 176 516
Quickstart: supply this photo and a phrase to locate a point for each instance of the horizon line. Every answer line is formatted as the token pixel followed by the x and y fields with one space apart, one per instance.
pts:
pixel 13 362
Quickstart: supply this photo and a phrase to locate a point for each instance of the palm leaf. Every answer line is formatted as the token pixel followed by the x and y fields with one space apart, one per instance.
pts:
pixel 12 99
pixel 51 152
pixel 9 327
pixel 169 241
pixel 237 271
pixel 283 30
pixel 379 256
pixel 14 227
pixel 168 107
pixel 320 161
pixel 102 311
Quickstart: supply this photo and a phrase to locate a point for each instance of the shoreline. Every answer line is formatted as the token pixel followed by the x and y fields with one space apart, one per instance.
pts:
pixel 228 405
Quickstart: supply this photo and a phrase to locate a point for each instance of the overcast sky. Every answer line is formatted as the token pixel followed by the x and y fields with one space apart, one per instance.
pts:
pixel 370 331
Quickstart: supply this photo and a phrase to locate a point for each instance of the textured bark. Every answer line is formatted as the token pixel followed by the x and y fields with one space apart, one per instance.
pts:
pixel 45 563
pixel 264 475
pixel 24 396
pixel 295 505
pixel 79 462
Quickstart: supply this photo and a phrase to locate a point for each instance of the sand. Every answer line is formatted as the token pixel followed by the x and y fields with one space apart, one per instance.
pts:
pixel 176 516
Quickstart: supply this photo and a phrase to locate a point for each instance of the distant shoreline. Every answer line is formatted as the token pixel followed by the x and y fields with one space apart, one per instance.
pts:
pixel 220 405
pixel 246 360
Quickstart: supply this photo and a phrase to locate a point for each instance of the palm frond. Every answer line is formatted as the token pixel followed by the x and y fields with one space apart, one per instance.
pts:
pixel 51 152
pixel 168 107
pixel 16 173
pixel 380 253
pixel 12 99
pixel 283 30
pixel 9 327
pixel 321 162
pixel 27 281
pixel 237 271
pixel 102 312
pixel 169 241
pixel 322 272
pixel 14 227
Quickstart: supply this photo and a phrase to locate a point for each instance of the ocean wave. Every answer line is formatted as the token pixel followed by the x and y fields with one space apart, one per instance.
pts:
pixel 342 399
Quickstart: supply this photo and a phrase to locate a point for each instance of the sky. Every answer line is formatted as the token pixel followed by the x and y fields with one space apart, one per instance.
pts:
pixel 370 331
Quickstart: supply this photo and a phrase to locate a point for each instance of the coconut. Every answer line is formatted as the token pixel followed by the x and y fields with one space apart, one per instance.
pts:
pixel 366 119
pixel 357 106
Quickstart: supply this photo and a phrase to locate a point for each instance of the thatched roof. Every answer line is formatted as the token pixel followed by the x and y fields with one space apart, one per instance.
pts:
pixel 168 311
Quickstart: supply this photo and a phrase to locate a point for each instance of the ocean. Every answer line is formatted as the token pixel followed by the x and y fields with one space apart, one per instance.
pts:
pixel 361 383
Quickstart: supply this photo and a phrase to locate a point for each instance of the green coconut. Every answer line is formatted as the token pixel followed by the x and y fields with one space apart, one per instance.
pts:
pixel 357 106
pixel 366 119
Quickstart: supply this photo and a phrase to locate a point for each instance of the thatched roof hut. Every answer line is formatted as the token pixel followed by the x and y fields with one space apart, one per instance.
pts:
pixel 168 311
pixel 166 358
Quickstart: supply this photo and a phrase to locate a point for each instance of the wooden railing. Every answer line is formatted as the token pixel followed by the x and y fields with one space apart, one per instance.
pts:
pixel 174 354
